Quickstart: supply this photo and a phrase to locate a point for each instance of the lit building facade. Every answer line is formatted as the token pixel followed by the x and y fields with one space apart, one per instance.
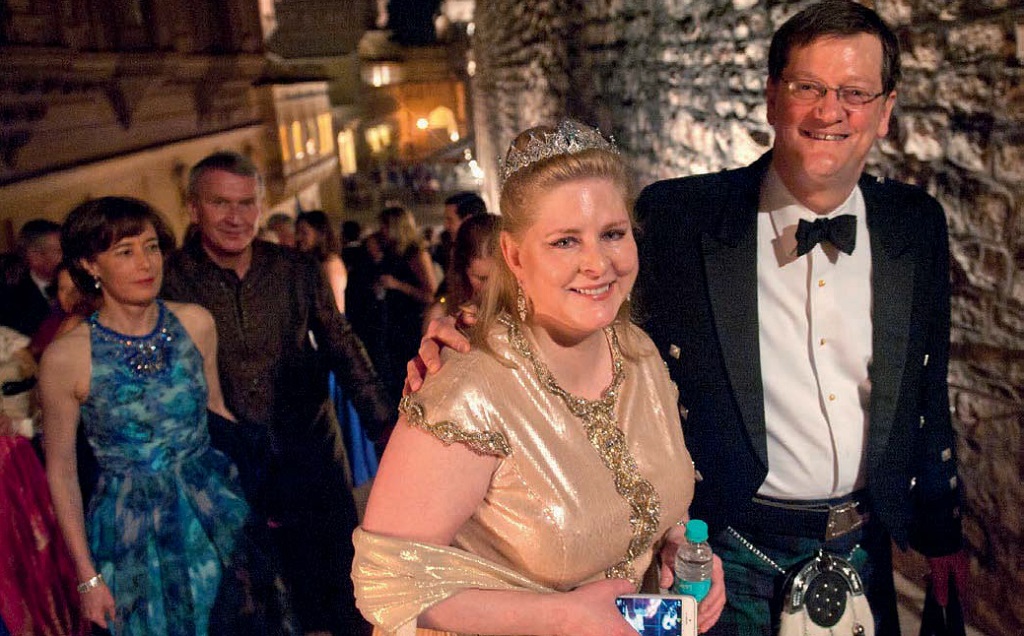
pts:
pixel 301 159
pixel 422 104
pixel 122 98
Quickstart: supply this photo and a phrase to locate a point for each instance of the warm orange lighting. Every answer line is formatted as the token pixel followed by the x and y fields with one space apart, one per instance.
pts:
pixel 379 75
pixel 286 149
pixel 378 137
pixel 324 125
pixel 298 146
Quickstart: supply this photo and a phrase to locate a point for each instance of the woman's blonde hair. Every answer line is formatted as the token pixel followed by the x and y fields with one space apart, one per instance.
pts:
pixel 402 236
pixel 525 185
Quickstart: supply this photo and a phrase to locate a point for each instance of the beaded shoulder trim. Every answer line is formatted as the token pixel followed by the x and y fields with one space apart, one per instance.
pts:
pixel 485 443
pixel 601 426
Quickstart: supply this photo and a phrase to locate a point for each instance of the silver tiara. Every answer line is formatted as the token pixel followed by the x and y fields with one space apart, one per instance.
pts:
pixel 569 138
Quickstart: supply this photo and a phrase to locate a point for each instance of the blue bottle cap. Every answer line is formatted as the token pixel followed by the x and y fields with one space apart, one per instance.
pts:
pixel 696 531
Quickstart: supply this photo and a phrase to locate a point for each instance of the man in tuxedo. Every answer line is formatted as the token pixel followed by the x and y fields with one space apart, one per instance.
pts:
pixel 29 298
pixel 803 310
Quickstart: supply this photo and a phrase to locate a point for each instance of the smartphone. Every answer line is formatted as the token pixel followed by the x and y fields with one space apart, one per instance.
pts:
pixel 659 614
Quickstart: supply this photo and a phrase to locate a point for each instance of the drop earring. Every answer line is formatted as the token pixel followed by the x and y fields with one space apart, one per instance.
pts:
pixel 96 282
pixel 520 303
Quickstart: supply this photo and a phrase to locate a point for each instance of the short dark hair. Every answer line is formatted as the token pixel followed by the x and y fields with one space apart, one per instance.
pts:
pixel 467 204
pixel 33 231
pixel 227 161
pixel 327 242
pixel 94 226
pixel 834 18
pixel 351 231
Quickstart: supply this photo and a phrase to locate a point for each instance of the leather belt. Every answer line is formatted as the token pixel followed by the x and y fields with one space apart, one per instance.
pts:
pixel 823 519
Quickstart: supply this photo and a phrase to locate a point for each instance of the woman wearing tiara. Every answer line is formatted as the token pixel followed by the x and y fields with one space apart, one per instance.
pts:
pixel 161 548
pixel 560 425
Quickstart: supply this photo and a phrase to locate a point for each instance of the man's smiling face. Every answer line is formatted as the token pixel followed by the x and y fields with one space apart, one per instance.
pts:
pixel 823 144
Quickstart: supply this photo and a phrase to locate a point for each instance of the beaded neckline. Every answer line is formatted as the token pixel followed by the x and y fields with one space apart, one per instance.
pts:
pixel 578 405
pixel 146 355
pixel 601 426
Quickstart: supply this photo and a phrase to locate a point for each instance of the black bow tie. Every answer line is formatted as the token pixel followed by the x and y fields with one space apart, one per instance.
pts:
pixel 840 231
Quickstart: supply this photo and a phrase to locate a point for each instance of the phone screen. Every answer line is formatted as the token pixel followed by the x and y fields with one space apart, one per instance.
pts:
pixel 653 615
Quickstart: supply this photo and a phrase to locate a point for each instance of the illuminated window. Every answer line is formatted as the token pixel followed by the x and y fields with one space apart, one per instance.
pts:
pixel 286 151
pixel 381 74
pixel 311 137
pixel 373 139
pixel 297 145
pixel 347 151
pixel 325 125
pixel 378 137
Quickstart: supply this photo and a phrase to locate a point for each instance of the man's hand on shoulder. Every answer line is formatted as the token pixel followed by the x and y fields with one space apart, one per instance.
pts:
pixel 441 332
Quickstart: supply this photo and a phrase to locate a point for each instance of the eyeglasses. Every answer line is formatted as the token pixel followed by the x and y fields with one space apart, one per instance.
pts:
pixel 812 91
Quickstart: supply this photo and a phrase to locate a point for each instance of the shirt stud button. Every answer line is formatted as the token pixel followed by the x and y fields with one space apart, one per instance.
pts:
pixel 831 397
pixel 821 282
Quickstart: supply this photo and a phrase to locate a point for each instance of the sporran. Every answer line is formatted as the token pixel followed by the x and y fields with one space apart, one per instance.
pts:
pixel 825 597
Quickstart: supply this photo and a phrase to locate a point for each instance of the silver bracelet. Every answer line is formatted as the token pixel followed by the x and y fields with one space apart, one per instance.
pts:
pixel 91 584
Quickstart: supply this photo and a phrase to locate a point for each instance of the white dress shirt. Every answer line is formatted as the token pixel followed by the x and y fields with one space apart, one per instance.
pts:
pixel 815 345
pixel 43 285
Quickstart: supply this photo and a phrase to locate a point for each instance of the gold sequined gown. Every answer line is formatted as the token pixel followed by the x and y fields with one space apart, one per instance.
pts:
pixel 573 500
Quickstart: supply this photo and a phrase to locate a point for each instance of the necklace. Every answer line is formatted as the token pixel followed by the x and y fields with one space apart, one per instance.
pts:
pixel 601 426
pixel 146 355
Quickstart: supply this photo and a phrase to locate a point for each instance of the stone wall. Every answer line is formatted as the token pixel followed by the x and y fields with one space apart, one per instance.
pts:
pixel 680 84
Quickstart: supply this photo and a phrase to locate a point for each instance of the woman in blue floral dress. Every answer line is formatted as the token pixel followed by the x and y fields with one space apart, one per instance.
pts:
pixel 161 548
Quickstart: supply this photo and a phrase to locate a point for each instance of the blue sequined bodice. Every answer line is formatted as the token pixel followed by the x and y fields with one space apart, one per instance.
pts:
pixel 147 398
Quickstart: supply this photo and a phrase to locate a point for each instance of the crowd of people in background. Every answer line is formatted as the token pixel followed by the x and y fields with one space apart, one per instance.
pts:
pixel 171 467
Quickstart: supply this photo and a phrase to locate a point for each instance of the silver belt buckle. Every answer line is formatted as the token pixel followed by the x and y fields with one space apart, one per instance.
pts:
pixel 843 519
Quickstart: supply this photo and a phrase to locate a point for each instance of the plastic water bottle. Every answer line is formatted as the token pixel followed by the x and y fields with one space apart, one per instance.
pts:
pixel 693 562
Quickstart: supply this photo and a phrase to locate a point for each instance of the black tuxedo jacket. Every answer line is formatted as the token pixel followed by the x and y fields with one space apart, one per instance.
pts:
pixel 23 307
pixel 697 298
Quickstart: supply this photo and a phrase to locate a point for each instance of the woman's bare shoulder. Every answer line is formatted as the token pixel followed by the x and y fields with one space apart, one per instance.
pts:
pixel 68 351
pixel 195 318
pixel 198 323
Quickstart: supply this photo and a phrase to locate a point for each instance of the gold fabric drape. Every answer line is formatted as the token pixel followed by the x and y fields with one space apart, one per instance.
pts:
pixel 397 580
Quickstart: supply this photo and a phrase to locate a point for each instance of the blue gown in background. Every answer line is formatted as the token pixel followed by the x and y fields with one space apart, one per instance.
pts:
pixel 167 517
pixel 362 457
